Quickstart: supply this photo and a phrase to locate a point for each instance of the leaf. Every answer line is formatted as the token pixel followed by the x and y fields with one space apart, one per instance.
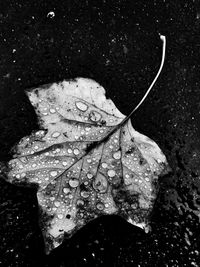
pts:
pixel 84 161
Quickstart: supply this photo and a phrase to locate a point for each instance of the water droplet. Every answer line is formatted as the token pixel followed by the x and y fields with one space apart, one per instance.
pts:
pixel 88 129
pixel 73 182
pixel 80 202
pixel 100 183
pixel 51 14
pixel 95 116
pixel 53 173
pixel 100 206
pixel 55 134
pixel 111 173
pixel 23 174
pixel 34 165
pixel 117 155
pixel 104 165
pixel 76 151
pixel 85 194
pixel 69 150
pixel 89 160
pixel 64 163
pixel 66 190
pixel 60 216
pixel 89 176
pixel 70 196
pixel 52 110
pixel 57 204
pixel 81 106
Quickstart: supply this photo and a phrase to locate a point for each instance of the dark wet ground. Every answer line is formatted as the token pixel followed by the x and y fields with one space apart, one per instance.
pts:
pixel 117 44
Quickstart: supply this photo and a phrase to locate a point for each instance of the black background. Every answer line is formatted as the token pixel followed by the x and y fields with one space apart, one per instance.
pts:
pixel 117 44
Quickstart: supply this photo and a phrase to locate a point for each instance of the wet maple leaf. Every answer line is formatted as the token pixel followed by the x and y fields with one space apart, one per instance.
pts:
pixel 85 160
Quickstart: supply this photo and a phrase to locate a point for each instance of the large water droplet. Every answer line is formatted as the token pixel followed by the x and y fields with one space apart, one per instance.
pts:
pixel 69 150
pixel 89 160
pixel 95 116
pixel 23 174
pixel 76 151
pixel 89 176
pixel 52 110
pixel 81 106
pixel 85 194
pixel 100 206
pixel 53 173
pixel 60 216
pixel 55 134
pixel 111 173
pixel 66 190
pixel 80 202
pixel 117 155
pixel 100 183
pixel 104 165
pixel 74 182
pixel 57 204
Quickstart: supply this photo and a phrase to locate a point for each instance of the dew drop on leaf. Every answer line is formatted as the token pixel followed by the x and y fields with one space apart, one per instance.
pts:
pixel 73 182
pixel 95 116
pixel 104 165
pixel 111 173
pixel 81 106
pixel 53 173
pixel 57 204
pixel 76 151
pixel 55 134
pixel 117 155
pixel 52 110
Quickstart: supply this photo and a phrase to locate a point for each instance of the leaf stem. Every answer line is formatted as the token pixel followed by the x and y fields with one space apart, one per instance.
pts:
pixel 163 39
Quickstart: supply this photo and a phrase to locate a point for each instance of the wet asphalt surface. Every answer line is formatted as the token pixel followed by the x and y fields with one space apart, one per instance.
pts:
pixel 117 44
